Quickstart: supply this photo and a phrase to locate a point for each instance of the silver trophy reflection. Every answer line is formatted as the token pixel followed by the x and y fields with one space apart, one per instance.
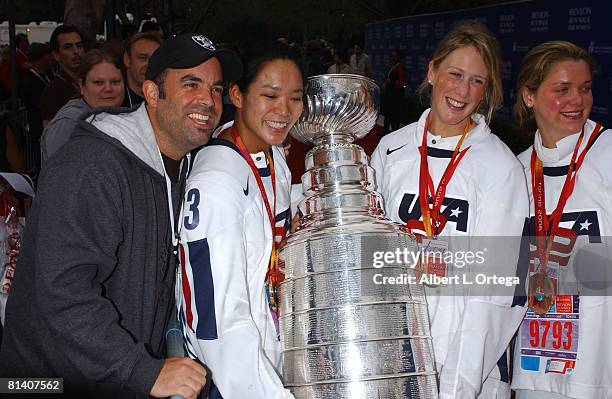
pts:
pixel 343 335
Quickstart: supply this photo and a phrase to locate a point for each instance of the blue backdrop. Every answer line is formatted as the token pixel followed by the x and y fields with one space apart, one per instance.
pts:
pixel 518 27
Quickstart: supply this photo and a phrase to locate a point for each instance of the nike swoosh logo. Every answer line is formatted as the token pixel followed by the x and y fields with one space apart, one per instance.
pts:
pixel 246 190
pixel 390 151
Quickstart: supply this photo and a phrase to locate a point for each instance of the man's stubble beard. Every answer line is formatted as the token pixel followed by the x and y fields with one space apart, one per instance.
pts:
pixel 171 121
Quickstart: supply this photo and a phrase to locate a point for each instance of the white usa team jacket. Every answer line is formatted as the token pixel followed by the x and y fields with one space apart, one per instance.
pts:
pixel 589 213
pixel 486 197
pixel 226 241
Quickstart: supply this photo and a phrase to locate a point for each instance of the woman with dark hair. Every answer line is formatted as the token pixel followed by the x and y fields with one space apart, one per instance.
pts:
pixel 101 84
pixel 458 187
pixel 229 274
pixel 563 350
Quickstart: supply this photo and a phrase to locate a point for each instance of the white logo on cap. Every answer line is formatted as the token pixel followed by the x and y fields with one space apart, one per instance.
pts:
pixel 204 42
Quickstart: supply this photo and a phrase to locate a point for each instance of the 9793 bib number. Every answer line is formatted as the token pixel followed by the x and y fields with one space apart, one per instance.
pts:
pixel 549 342
pixel 551 334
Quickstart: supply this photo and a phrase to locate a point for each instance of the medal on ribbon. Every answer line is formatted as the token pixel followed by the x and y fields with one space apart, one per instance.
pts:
pixel 274 275
pixel 542 288
pixel 433 220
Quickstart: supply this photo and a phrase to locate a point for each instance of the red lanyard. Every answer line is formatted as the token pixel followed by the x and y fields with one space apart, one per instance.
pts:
pixel 273 275
pixel 546 227
pixel 434 222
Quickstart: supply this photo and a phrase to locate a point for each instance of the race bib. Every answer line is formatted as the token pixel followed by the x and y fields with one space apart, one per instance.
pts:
pixel 549 342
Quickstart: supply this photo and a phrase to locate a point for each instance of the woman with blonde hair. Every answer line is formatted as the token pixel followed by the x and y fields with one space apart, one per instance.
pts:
pixel 453 182
pixel 562 350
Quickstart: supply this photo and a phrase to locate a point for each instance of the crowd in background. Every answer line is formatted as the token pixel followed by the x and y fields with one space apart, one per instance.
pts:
pixel 52 74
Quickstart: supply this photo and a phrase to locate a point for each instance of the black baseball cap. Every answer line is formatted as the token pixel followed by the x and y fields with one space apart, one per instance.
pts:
pixel 190 50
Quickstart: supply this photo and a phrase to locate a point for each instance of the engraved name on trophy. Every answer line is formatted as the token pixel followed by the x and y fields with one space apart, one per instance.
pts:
pixel 342 334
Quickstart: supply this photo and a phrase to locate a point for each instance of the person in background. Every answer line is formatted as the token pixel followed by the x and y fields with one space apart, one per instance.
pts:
pixel 135 59
pixel 237 210
pixel 339 65
pixel 459 188
pixel 5 74
pixel 393 89
pixel 67 47
pixel 30 91
pixel 23 62
pixel 94 287
pixel 563 350
pixel 360 62
pixel 101 83
pixel 313 62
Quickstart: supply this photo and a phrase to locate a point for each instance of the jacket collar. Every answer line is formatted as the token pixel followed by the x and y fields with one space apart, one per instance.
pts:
pixel 479 132
pixel 562 153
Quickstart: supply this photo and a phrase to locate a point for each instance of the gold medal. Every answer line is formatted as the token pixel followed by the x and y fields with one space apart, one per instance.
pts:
pixel 541 293
pixel 541 289
pixel 432 262
pixel 275 277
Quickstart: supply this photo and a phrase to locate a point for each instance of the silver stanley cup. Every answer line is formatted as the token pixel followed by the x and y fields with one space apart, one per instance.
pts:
pixel 343 334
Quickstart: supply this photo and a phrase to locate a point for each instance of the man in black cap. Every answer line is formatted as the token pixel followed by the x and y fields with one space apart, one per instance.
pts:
pixel 94 284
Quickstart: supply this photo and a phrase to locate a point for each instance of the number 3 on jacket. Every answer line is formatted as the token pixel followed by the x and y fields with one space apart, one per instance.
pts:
pixel 192 218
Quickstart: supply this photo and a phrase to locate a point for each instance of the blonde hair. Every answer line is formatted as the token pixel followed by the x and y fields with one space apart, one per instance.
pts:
pixel 478 36
pixel 535 67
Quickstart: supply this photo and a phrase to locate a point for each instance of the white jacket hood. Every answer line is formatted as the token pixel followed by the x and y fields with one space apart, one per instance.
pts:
pixel 134 131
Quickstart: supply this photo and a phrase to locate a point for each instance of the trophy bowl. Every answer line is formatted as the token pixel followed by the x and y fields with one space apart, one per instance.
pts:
pixel 343 335
pixel 337 104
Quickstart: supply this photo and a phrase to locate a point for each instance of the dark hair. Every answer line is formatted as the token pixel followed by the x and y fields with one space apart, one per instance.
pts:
pixel 60 30
pixel 255 58
pixel 20 36
pixel 160 80
pixel 154 37
pixel 480 37
pixel 95 57
pixel 535 68
pixel 38 51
